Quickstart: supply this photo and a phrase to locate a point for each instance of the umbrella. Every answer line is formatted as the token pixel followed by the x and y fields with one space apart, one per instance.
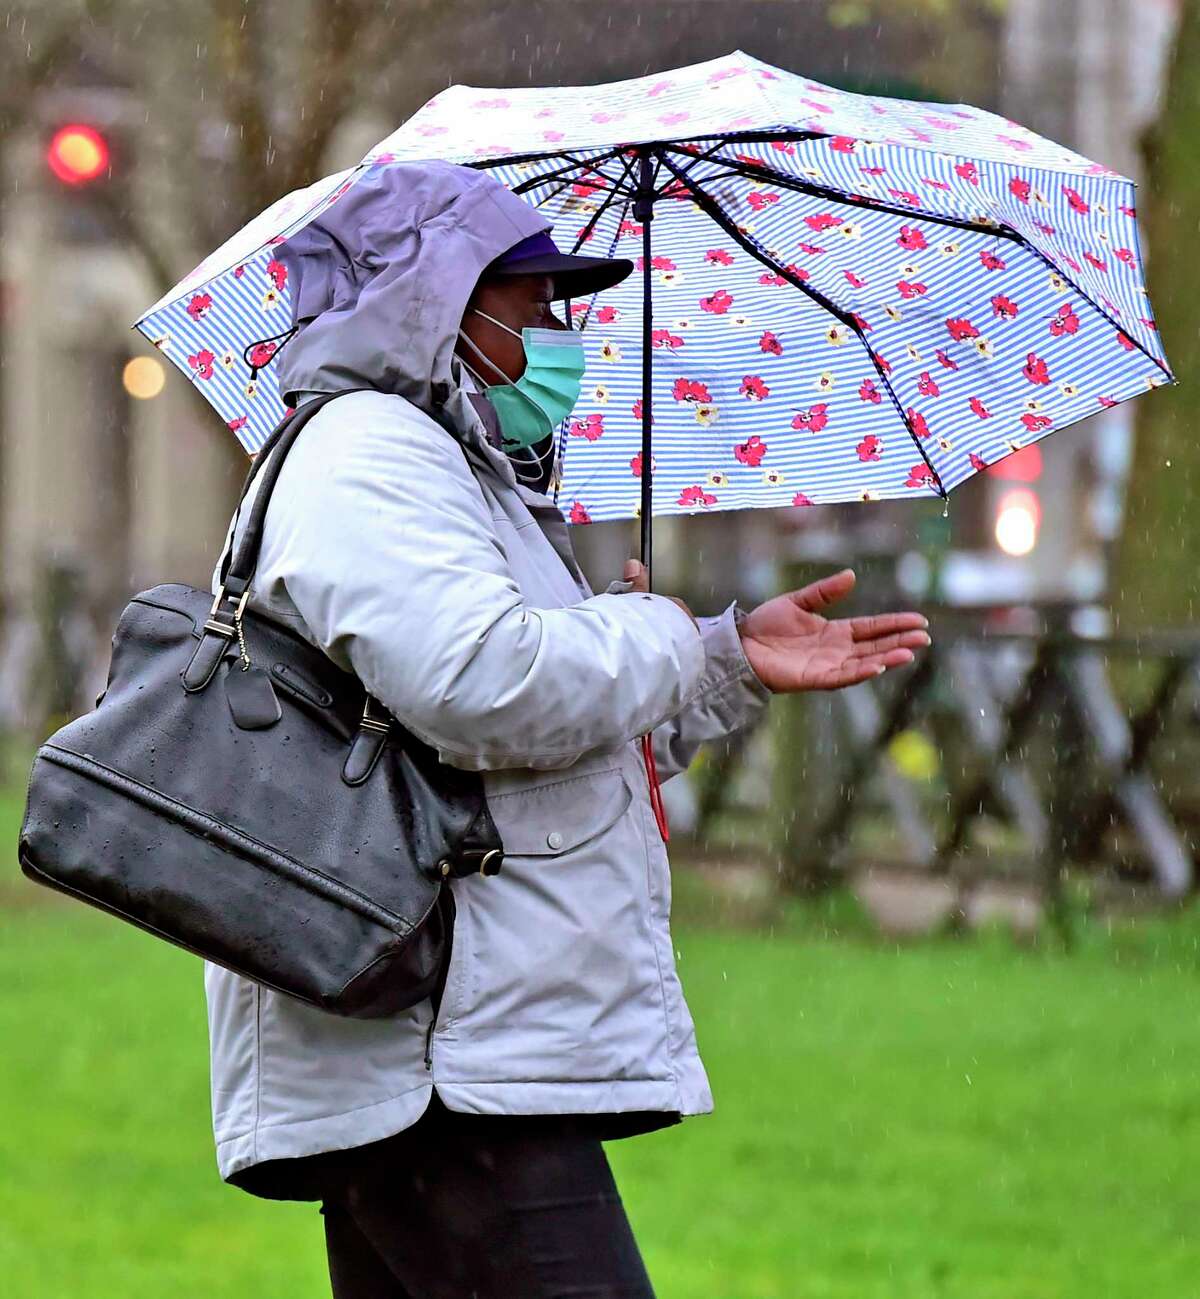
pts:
pixel 842 297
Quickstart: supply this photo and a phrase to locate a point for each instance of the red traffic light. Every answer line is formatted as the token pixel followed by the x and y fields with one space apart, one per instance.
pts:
pixel 1018 521
pixel 1023 466
pixel 77 154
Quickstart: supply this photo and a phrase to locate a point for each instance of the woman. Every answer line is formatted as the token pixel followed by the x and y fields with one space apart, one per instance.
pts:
pixel 456 1147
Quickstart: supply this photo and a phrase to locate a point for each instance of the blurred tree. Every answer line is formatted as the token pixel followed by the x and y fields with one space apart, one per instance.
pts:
pixel 1158 565
pixel 239 102
pixel 953 43
pixel 243 100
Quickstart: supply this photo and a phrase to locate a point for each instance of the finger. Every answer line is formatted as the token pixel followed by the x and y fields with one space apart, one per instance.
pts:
pixel 826 591
pixel 635 572
pixel 854 671
pixel 914 640
pixel 893 658
pixel 885 624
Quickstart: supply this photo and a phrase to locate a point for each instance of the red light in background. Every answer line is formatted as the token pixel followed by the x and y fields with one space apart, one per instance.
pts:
pixel 77 154
pixel 1023 466
pixel 1018 521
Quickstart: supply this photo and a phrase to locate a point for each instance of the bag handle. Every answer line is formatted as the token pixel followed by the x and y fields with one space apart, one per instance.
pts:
pixel 237 567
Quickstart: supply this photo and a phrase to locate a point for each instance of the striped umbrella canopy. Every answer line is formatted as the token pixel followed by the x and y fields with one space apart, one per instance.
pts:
pixel 840 297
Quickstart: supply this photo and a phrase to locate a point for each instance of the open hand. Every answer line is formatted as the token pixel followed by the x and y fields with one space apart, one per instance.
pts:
pixel 791 646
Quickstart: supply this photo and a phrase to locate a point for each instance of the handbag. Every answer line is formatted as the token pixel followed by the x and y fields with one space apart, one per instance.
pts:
pixel 240 795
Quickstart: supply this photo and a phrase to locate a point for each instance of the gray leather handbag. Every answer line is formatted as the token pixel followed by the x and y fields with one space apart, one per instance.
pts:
pixel 239 795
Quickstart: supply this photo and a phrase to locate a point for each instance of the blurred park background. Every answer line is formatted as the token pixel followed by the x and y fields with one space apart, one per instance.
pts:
pixel 940 935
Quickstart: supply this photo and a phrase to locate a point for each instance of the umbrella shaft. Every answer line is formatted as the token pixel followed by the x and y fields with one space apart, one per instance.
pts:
pixel 643 211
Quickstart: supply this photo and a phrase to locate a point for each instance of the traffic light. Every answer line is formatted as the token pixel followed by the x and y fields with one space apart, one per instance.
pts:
pixel 1018 518
pixel 78 154
pixel 85 157
pixel 1017 510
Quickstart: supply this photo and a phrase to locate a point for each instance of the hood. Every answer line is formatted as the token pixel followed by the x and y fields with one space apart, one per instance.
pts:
pixel 380 280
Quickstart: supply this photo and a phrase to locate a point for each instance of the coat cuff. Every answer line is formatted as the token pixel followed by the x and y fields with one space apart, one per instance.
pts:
pixel 728 682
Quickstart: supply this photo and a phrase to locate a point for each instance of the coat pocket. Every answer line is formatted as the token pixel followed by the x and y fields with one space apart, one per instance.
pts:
pixel 550 819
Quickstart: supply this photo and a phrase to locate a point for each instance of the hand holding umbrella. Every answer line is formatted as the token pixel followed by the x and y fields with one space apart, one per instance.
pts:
pixel 791 646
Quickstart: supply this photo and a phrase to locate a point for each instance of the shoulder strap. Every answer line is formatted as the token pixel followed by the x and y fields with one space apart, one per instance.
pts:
pixel 237 567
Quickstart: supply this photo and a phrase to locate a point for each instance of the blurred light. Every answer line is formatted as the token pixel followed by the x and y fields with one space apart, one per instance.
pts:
pixel 77 153
pixel 143 377
pixel 1023 466
pixel 914 755
pixel 913 572
pixel 1017 522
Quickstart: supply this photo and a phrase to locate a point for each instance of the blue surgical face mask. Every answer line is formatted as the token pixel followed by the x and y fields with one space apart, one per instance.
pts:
pixel 532 408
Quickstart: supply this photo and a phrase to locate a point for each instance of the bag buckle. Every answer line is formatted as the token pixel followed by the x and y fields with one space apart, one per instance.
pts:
pixel 368 723
pixel 226 629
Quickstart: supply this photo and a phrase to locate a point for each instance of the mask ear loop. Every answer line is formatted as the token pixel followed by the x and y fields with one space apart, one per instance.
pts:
pixel 500 323
pixel 535 459
pixel 479 352
pixel 471 370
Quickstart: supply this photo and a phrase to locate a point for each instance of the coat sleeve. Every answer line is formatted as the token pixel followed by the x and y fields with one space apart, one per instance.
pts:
pixel 389 554
pixel 729 697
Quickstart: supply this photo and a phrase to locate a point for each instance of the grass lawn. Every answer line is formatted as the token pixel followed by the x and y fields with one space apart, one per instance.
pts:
pixel 967 1120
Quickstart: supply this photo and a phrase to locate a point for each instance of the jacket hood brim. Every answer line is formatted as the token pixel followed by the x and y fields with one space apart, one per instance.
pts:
pixel 381 279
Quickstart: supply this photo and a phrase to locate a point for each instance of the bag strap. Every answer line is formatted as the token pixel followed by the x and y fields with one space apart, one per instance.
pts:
pixel 237 567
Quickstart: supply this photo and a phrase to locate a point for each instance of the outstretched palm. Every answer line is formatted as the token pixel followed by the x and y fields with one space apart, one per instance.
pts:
pixel 791 646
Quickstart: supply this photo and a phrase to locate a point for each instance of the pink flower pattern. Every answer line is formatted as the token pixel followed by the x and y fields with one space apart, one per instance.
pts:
pixel 938 336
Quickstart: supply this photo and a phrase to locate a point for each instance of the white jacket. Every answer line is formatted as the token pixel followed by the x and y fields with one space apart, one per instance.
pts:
pixel 405 548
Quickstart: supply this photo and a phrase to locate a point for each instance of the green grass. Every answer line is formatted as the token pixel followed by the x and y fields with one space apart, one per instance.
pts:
pixel 947 1119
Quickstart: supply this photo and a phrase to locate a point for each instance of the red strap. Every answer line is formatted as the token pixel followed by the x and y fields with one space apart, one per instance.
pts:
pixel 656 802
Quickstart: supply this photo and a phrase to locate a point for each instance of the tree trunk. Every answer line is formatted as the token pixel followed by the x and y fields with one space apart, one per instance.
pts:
pixel 1158 565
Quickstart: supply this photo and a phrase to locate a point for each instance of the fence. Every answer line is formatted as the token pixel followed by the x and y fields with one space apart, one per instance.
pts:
pixel 1016 755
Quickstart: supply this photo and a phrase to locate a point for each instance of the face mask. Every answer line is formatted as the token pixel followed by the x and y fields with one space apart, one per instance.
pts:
pixel 533 407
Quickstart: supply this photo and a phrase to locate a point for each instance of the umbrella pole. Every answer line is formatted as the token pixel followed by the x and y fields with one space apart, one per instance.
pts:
pixel 643 211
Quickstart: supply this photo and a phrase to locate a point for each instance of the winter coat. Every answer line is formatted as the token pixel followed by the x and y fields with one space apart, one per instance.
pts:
pixel 399 541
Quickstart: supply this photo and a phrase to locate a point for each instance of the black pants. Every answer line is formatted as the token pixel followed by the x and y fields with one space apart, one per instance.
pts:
pixel 464 1207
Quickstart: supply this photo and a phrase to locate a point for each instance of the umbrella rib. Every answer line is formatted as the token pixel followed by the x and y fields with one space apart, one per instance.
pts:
pixel 717 213
pixel 698 158
pixel 554 193
pixel 1099 310
pixel 615 183
pixel 1001 232
pixel 511 159
pixel 574 165
pixel 784 181
pixel 746 137
pixel 612 193
pixel 768 134
pixel 562 449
